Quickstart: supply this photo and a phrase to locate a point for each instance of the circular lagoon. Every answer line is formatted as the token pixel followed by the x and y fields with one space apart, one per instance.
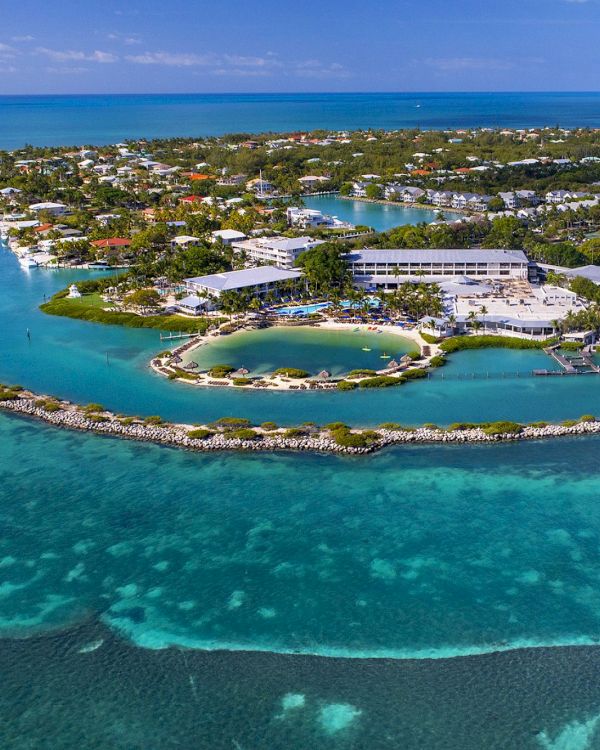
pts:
pixel 306 348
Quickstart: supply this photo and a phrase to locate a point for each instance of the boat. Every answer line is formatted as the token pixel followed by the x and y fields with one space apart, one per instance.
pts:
pixel 385 355
pixel 27 261
pixel 366 349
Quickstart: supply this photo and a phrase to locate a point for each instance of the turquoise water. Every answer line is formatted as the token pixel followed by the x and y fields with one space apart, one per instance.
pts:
pixel 100 119
pixel 311 349
pixel 414 552
pixel 296 565
pixel 91 363
pixel 380 216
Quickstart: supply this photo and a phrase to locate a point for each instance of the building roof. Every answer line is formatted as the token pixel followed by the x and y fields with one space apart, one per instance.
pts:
pixel 192 300
pixel 285 244
pixel 112 242
pixel 588 272
pixel 230 280
pixel 437 256
pixel 229 234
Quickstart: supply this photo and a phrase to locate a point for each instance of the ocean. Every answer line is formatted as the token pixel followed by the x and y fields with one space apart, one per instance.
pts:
pixel 102 119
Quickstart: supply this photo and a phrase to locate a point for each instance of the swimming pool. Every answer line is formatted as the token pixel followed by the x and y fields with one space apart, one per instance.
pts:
pixel 308 309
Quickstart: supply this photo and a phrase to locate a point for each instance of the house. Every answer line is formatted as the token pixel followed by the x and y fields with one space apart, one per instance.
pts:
pixel 281 251
pixel 257 281
pixel 310 182
pixel 232 180
pixel 55 209
pixel 557 196
pixel 183 241
pixel 9 192
pixel 260 186
pixel 228 236
pixel 118 244
pixel 74 293
pixel 194 305
pixel 442 198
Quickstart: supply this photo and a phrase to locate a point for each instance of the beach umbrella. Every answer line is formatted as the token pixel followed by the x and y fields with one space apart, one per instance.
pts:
pixel 191 366
pixel 392 363
pixel 241 371
pixel 177 359
pixel 406 359
pixel 324 375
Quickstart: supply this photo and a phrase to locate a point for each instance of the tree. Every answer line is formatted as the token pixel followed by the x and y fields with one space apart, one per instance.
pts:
pixel 324 267
pixel 143 298
pixel 496 204
pixel 374 192
pixel 507 232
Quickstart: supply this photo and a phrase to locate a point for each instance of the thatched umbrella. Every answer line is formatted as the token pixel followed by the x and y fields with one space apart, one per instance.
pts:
pixel 191 366
pixel 177 359
pixel 324 375
pixel 392 363
pixel 406 359
pixel 241 372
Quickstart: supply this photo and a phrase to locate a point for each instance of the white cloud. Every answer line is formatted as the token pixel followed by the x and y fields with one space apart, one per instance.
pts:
pixel 174 59
pixel 128 39
pixel 97 56
pixel 26 38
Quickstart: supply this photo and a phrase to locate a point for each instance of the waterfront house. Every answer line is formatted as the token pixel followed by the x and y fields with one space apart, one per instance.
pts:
pixel 258 281
pixel 192 304
pixel 281 251
pixel 183 241
pixel 310 182
pixel 55 209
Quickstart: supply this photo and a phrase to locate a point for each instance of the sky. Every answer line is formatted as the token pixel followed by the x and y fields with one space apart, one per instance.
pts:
pixel 152 46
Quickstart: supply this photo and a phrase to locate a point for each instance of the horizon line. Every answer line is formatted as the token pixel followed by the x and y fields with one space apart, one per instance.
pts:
pixel 305 93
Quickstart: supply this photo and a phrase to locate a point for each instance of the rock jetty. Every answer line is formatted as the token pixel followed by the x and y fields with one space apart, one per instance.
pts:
pixel 152 430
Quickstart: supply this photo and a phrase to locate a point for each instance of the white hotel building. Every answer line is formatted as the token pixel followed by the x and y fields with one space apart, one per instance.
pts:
pixel 386 269
pixel 280 251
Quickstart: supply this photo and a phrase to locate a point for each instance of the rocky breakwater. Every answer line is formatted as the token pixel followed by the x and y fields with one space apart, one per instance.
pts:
pixel 230 434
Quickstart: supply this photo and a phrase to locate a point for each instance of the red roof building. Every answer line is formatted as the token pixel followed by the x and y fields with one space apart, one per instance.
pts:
pixel 112 242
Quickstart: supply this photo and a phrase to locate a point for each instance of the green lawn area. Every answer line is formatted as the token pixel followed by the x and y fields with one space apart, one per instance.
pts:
pixel 90 300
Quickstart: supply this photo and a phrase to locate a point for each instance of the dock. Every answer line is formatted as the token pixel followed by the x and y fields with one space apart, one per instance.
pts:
pixel 579 364
pixel 173 336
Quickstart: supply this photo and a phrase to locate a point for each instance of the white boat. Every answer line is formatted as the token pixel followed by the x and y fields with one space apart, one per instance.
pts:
pixel 27 261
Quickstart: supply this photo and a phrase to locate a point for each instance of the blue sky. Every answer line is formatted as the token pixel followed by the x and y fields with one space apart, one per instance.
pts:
pixel 88 46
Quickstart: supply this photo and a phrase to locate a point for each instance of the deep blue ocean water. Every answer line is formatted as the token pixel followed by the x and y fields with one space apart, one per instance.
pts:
pixel 101 119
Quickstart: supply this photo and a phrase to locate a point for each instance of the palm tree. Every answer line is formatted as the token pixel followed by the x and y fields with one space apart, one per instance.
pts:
pixel 484 311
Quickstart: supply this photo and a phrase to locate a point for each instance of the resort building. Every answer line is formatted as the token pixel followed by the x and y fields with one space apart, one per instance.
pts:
pixel 257 281
pixel 56 209
pixel 387 269
pixel 228 236
pixel 281 251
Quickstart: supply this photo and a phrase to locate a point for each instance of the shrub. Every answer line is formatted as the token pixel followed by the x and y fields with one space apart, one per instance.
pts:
pixel 153 420
pixel 230 423
pixel 242 381
pixel 571 346
pixel 92 408
pixel 430 426
pixel 569 423
pixel 587 418
pixel 415 374
pixel 462 426
pixel 126 420
pixel 381 381
pixel 243 433
pixel 502 428
pixel 291 372
pixel 457 343
pixel 51 406
pixel 346 385
pixel 390 426
pixel 199 434
pixel 348 439
pixel 294 432
pixel 437 361
pixel 538 424
pixel 336 426
pixel 8 394
pixel 361 373
pixel 220 371
pixel 166 353
pixel 428 338
pixel 269 426
pixel 97 418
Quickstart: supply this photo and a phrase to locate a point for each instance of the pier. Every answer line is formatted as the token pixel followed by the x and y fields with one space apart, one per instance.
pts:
pixel 579 364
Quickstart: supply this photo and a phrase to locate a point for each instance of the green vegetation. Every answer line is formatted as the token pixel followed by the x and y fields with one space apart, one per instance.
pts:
pixel 415 374
pixel 153 420
pixel 226 424
pixel 126 421
pixel 437 361
pixel 243 433
pixel 96 418
pixel 347 439
pixel 502 428
pixel 346 385
pixel 459 343
pixel 361 373
pixel 269 426
pixel 294 432
pixel 199 434
pixel 380 381
pixel 48 404
pixel 242 381
pixel 428 338
pixel 587 418
pixel 59 305
pixel 221 371
pixel 292 372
